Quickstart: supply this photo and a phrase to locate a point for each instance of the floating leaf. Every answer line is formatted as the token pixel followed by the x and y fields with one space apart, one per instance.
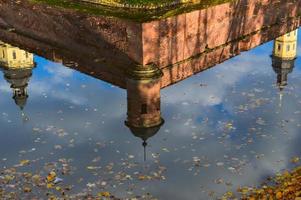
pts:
pixel 51 176
pixel 104 194
pixel 24 162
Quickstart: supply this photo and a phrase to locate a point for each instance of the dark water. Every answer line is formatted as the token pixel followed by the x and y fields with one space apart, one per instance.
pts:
pixel 226 127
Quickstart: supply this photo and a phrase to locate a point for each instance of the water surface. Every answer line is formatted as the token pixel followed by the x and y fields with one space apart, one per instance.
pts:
pixel 226 127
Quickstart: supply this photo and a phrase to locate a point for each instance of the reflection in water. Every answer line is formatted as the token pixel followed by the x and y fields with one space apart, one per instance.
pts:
pixel 222 127
pixel 143 88
pixel 283 59
pixel 143 83
pixel 17 68
pixel 284 55
pixel 144 102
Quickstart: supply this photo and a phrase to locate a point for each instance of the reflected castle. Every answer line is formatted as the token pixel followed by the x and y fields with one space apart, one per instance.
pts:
pixel 143 86
pixel 145 57
pixel 144 103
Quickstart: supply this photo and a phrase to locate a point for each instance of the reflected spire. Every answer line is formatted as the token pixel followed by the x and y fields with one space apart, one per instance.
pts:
pixel 280 98
pixel 144 144
pixel 17 67
pixel 144 133
pixel 25 118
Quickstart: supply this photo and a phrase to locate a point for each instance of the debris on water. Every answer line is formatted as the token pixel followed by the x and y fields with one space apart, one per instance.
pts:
pixel 57 180
pixel 282 186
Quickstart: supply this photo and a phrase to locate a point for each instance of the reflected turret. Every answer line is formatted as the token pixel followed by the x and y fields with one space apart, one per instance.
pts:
pixel 143 97
pixel 283 58
pixel 17 67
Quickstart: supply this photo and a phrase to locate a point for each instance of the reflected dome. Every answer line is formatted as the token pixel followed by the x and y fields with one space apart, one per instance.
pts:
pixel 18 80
pixel 145 132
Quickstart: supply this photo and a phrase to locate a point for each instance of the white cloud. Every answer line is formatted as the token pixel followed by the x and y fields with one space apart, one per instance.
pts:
pixel 217 81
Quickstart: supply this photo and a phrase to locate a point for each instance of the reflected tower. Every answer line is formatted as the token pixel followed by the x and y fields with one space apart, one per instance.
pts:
pixel 143 97
pixel 17 67
pixel 283 58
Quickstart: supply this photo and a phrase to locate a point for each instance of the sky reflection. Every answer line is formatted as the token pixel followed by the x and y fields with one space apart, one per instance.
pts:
pixel 224 128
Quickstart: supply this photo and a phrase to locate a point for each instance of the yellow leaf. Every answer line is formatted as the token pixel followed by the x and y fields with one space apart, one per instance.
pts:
pixel 142 177
pixel 26 189
pixel 295 160
pixel 279 195
pixel 24 162
pixel 104 194
pixel 9 178
pixel 51 176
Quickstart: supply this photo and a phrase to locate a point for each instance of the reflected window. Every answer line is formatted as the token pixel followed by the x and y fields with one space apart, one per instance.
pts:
pixel 158 105
pixel 288 47
pixel 26 54
pixel 3 54
pixel 14 55
pixel 279 47
pixel 143 109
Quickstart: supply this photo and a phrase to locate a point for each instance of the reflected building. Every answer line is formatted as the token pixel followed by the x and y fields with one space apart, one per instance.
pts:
pixel 120 51
pixel 283 58
pixel 143 99
pixel 17 66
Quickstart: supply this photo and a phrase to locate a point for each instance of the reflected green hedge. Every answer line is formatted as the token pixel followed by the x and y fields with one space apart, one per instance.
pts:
pixel 137 14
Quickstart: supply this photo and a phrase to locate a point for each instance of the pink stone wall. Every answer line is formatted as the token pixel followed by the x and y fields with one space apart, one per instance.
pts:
pixel 186 69
pixel 110 46
pixel 177 38
pixel 100 36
